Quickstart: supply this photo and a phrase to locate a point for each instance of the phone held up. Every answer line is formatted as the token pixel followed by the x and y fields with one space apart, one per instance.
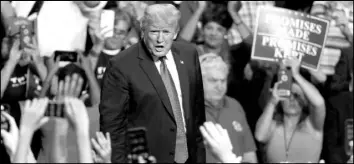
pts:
pixel 284 88
pixel 55 109
pixel 66 56
pixel 137 142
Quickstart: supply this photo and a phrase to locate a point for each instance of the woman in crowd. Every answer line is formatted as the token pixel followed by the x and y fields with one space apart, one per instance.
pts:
pixel 292 129
pixel 105 48
pixel 22 71
pixel 216 21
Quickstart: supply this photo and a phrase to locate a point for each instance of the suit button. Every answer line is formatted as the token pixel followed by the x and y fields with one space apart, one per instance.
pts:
pixel 172 129
pixel 172 153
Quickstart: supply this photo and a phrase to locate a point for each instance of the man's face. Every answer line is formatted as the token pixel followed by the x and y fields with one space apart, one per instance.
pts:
pixel 158 37
pixel 120 34
pixel 215 84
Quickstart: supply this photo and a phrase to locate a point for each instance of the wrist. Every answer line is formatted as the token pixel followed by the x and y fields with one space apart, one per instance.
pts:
pixel 12 61
pixel 228 158
pixel 274 101
pixel 96 50
pixel 26 131
pixel 82 130
pixel 237 19
pixel 296 75
pixel 200 10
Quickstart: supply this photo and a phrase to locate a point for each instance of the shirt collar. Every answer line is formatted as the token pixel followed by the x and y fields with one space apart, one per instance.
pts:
pixel 111 52
pixel 222 105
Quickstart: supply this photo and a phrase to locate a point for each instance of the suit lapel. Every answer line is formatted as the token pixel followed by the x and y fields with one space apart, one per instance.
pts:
pixel 148 66
pixel 183 78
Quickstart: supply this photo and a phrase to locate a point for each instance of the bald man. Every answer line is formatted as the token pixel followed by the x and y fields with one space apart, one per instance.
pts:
pixel 156 84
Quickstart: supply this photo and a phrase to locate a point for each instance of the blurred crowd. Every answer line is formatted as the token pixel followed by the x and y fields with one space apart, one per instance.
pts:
pixel 247 121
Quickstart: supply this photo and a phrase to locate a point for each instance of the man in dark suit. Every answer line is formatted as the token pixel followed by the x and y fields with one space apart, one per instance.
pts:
pixel 156 84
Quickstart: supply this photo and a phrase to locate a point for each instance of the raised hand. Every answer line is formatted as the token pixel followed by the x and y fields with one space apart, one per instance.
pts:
pixel 33 51
pixel 10 137
pixel 98 37
pixel 101 145
pixel 33 114
pixel 76 112
pixel 202 5
pixel 294 64
pixel 15 52
pixel 234 7
pixel 217 140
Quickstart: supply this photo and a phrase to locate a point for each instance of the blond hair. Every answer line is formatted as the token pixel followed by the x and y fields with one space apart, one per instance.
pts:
pixel 166 13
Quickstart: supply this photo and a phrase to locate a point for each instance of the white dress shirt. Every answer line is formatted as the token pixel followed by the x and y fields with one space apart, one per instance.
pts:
pixel 171 66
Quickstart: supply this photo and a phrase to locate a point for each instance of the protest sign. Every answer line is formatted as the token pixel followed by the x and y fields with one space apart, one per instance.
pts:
pixel 282 33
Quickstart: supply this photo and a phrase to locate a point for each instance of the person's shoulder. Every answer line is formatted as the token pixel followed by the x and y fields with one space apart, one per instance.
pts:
pixel 185 46
pixel 234 105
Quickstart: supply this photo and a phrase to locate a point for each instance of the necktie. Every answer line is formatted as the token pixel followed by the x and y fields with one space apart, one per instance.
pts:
pixel 181 150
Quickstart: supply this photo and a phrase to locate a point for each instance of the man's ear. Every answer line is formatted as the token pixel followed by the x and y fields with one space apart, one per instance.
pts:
pixel 175 37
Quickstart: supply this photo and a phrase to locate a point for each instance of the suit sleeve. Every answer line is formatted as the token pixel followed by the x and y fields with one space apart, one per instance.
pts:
pixel 200 111
pixel 113 107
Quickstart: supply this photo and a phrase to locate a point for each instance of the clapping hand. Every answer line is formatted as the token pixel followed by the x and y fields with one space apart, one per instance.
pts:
pixel 101 145
pixel 217 140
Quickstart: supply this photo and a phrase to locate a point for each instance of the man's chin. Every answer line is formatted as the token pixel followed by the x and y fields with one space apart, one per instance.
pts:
pixel 159 53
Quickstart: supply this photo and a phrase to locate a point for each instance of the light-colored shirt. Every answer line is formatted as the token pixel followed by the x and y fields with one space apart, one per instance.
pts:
pixel 171 66
pixel 304 147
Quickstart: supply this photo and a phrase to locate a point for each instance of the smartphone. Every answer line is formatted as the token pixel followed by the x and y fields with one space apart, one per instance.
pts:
pixel 284 88
pixel 137 143
pixel 25 35
pixel 55 109
pixel 107 22
pixel 66 56
pixel 348 136
pixel 4 122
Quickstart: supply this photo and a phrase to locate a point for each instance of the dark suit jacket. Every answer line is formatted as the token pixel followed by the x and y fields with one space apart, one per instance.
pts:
pixel 339 82
pixel 133 95
pixel 339 109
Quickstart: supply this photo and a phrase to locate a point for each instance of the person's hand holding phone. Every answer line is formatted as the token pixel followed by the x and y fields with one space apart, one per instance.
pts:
pixel 10 138
pixel 33 51
pixel 294 64
pixel 98 37
pixel 15 52
pixel 102 148
pixel 217 140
